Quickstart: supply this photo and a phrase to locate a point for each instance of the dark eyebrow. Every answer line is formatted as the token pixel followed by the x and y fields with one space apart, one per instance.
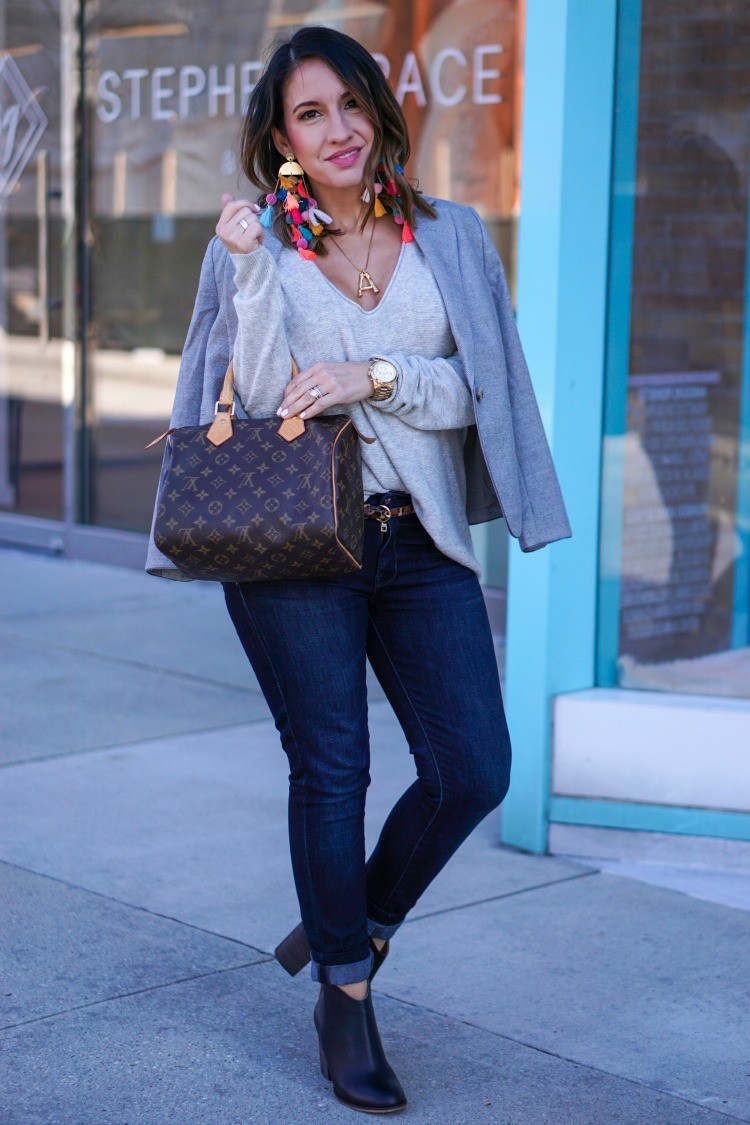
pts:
pixel 346 93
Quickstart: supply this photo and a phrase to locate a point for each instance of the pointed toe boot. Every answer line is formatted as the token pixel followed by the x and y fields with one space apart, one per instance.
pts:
pixel 352 1055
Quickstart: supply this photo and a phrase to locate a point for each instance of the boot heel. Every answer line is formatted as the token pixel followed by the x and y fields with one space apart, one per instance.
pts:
pixel 293 952
pixel 324 1065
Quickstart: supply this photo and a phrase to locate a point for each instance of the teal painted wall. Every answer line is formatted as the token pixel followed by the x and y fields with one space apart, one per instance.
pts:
pixel 562 287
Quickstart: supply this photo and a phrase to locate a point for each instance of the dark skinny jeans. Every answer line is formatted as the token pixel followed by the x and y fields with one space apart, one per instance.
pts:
pixel 421 620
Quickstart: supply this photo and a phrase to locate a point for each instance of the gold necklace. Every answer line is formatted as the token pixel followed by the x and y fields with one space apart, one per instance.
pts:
pixel 365 281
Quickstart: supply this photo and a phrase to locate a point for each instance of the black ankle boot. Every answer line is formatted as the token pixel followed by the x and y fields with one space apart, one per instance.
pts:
pixel 352 1055
pixel 294 952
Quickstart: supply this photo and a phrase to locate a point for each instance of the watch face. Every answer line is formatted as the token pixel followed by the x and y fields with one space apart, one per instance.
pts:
pixel 384 370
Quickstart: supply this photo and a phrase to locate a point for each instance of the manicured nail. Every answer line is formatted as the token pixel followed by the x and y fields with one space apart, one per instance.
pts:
pixel 283 413
pixel 303 414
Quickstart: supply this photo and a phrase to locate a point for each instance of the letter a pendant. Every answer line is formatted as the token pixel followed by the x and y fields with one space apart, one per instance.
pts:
pixel 369 284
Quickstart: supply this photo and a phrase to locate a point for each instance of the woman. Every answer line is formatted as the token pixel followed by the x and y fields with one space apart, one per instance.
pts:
pixel 396 309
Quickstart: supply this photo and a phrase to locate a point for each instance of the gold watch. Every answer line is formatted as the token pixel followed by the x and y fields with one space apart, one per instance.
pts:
pixel 383 376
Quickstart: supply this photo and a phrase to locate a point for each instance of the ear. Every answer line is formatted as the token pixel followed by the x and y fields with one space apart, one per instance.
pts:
pixel 282 144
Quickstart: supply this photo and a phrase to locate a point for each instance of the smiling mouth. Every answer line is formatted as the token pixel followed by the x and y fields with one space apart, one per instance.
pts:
pixel 345 153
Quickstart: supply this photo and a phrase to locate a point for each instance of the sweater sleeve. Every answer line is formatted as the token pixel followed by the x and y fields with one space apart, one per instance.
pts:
pixel 262 357
pixel 430 394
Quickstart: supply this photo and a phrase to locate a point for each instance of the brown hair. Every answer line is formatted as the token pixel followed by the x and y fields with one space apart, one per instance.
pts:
pixel 363 76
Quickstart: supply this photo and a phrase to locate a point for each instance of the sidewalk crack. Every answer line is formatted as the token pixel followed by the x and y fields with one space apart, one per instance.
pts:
pixel 136 742
pixel 134 906
pixel 563 1058
pixel 505 894
pixel 142 666
pixel 136 992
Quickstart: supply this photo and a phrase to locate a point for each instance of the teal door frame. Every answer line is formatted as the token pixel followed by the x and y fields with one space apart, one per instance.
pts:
pixel 568 113
pixel 575 258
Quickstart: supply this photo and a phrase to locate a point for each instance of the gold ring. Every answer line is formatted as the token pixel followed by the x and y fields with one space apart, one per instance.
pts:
pixel 243 223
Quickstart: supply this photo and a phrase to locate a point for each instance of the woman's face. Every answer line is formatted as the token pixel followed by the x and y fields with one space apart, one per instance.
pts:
pixel 326 130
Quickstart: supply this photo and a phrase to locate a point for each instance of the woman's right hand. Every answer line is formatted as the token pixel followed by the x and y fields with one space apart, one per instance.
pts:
pixel 235 237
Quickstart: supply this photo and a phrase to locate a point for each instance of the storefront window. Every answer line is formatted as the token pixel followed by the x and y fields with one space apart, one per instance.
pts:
pixel 675 562
pixel 165 100
pixel 32 351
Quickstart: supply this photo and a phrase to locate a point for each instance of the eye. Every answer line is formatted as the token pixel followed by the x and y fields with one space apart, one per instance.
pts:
pixel 302 116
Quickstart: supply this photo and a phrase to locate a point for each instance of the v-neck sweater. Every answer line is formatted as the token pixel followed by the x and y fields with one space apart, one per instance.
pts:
pixel 289 307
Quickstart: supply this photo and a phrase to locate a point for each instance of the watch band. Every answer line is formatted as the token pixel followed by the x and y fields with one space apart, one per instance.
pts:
pixel 382 388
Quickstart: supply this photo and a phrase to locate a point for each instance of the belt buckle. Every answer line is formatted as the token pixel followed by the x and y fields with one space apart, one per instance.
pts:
pixel 385 515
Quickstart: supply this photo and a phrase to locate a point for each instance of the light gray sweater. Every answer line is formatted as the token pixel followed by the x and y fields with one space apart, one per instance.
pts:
pixel 290 307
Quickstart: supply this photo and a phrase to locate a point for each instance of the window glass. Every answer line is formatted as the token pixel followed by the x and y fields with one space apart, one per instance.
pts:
pixel 165 97
pixel 32 352
pixel 676 495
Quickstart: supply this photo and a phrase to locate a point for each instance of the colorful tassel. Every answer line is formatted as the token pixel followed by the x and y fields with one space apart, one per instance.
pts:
pixel 306 221
pixel 314 214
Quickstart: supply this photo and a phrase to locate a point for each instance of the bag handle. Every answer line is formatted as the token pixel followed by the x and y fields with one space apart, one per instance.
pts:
pixel 220 429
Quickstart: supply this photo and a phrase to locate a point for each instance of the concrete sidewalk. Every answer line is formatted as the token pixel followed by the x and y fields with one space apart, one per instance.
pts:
pixel 145 879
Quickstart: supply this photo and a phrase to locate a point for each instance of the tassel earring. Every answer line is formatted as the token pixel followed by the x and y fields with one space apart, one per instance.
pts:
pixel 388 200
pixel 302 214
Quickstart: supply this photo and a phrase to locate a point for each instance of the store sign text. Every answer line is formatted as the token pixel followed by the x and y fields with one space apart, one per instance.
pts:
pixel 168 93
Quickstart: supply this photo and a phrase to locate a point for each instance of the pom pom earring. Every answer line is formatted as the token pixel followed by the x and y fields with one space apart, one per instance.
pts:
pixel 302 214
pixel 307 222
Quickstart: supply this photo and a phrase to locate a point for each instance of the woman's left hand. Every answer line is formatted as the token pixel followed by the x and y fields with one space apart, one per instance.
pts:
pixel 339 382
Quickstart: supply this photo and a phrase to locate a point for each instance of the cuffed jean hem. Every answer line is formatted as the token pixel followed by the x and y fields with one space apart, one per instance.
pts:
pixel 341 974
pixel 380 930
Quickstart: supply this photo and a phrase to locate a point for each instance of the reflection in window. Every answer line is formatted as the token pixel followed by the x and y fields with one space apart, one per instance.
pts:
pixel 166 94
pixel 678 416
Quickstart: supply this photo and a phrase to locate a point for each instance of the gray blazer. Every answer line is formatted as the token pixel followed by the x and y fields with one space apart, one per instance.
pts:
pixel 509 469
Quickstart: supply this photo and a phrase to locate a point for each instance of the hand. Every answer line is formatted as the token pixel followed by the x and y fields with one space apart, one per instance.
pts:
pixel 339 382
pixel 234 236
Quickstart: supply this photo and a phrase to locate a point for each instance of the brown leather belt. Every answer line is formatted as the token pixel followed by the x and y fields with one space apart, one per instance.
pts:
pixel 383 513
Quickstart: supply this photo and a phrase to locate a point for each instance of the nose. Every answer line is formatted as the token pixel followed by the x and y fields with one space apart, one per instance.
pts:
pixel 339 127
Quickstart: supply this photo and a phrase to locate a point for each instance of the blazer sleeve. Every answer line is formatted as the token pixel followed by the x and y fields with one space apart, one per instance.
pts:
pixel 262 356
pixel 189 393
pixel 543 501
pixel 193 361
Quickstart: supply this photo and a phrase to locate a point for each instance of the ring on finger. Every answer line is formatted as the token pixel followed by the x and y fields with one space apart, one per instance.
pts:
pixel 315 392
pixel 243 223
